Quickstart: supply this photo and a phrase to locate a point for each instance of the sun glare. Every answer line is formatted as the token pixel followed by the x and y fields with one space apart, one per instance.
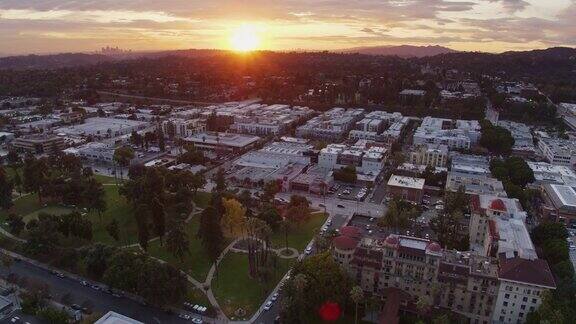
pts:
pixel 244 39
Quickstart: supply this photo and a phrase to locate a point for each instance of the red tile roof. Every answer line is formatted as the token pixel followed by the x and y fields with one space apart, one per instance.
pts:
pixel 498 204
pixel 344 242
pixel 536 272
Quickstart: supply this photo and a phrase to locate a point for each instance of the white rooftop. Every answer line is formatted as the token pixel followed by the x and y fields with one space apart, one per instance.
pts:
pixel 115 318
pixel 406 182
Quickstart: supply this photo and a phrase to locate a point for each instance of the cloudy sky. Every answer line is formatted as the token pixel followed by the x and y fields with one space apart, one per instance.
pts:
pixel 49 26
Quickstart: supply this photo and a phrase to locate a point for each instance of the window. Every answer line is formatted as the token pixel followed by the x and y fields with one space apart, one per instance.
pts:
pixel 520 314
pixel 534 300
pixel 507 296
pixel 525 299
pixel 505 303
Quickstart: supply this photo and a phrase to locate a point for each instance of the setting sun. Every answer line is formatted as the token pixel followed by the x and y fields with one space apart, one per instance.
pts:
pixel 244 39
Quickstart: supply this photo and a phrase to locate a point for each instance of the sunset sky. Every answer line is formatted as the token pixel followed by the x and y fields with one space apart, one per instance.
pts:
pixel 50 26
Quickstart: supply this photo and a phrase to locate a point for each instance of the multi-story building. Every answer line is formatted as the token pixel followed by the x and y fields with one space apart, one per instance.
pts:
pixel 257 119
pixel 333 125
pixel 368 159
pixel 550 173
pixel 453 133
pixel 39 144
pixel 183 127
pixel 432 155
pixel 406 188
pixel 523 278
pixel 500 283
pixel 559 203
pixel 523 140
pixel 470 164
pixel 379 126
pixel 475 184
pixel 558 151
pixel 222 142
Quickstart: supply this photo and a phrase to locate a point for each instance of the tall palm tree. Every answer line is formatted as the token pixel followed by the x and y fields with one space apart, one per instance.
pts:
pixel 357 295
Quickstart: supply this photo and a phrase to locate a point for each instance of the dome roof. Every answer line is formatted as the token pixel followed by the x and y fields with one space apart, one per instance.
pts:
pixel 392 240
pixel 434 247
pixel 350 231
pixel 498 204
pixel 343 242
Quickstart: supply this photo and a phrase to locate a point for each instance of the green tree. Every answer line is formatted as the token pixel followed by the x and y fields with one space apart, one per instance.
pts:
pixel 271 188
pixel 496 139
pixel 210 233
pixel 220 181
pixel 94 197
pixel 53 316
pixel 160 137
pixel 97 258
pixel 16 224
pixel 177 242
pixel 122 156
pixel 346 174
pixel 35 175
pixel 357 296
pixel 6 187
pixel 323 280
pixel 113 229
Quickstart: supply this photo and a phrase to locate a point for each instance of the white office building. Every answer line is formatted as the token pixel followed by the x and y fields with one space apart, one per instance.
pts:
pixel 558 151
pixel 452 133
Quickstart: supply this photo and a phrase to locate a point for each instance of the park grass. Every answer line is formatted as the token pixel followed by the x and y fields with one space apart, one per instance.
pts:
pixel 300 236
pixel 234 288
pixel 52 210
pixel 117 207
pixel 197 263
pixel 105 179
pixel 197 297
pixel 202 199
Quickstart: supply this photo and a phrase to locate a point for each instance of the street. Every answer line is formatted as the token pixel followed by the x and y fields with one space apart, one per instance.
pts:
pixel 103 302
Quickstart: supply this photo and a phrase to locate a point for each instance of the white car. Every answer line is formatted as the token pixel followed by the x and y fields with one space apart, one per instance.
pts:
pixel 274 297
pixel 308 250
pixel 196 320
pixel 184 316
pixel 439 207
pixel 15 319
pixel 267 306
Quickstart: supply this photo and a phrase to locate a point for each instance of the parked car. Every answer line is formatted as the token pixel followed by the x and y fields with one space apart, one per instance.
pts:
pixel 340 206
pixel 308 250
pixel 197 320
pixel 184 316
pixel 274 297
pixel 267 306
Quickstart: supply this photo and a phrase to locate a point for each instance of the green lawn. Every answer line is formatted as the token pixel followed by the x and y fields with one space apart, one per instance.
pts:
pixel 300 236
pixel 202 199
pixel 117 207
pixel 23 206
pixel 52 210
pixel 235 289
pixel 105 179
pixel 197 264
pixel 196 296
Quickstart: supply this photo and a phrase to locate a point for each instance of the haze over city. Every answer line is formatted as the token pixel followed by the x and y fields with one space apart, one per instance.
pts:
pixel 31 26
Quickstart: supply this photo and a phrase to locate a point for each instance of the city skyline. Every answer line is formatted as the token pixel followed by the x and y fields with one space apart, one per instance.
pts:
pixel 475 25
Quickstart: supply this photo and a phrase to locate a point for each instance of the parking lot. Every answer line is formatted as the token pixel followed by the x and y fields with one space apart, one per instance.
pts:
pixel 348 192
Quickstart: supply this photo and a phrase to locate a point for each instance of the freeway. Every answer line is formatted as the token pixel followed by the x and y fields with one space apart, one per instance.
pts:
pixel 102 302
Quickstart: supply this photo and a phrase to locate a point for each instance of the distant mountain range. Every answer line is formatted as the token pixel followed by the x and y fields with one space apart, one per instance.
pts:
pixel 432 54
pixel 401 51
pixel 54 61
